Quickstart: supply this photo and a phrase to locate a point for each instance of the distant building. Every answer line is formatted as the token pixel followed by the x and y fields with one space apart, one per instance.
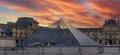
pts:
pixel 57 33
pixel 108 34
pixel 23 28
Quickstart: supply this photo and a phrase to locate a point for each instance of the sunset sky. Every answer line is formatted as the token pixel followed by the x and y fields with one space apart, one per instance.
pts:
pixel 79 13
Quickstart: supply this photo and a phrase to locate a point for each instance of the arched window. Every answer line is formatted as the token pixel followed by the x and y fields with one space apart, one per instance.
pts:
pixel 100 42
pixel 110 42
pixel 119 41
pixel 30 24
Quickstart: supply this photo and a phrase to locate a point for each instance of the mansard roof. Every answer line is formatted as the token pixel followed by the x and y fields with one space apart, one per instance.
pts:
pixel 110 22
pixel 89 29
pixel 25 21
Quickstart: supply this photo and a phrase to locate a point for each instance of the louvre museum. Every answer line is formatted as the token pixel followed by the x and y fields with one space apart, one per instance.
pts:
pixel 25 36
pixel 27 29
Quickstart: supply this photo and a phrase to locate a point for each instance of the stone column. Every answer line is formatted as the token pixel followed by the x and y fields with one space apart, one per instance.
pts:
pixel 117 42
pixel 113 42
pixel 103 42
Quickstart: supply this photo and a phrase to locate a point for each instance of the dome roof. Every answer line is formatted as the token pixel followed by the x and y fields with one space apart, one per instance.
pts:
pixel 25 21
pixel 110 22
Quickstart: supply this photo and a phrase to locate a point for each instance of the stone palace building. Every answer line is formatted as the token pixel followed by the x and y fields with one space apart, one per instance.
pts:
pixel 108 34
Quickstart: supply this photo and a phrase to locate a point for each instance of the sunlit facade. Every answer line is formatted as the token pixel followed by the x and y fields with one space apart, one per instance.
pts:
pixel 23 28
pixel 108 34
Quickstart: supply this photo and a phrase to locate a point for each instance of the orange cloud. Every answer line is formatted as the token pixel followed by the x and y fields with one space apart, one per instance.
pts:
pixel 78 12
pixel 106 8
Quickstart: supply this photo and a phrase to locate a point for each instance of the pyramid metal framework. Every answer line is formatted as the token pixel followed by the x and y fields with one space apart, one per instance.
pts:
pixel 48 36
pixel 83 39
pixel 68 37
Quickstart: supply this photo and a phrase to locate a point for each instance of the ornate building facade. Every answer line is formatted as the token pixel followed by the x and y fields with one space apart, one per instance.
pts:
pixel 108 34
pixel 23 28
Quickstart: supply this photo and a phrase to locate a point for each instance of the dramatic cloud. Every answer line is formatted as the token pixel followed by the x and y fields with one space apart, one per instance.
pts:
pixel 80 13
pixel 107 9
